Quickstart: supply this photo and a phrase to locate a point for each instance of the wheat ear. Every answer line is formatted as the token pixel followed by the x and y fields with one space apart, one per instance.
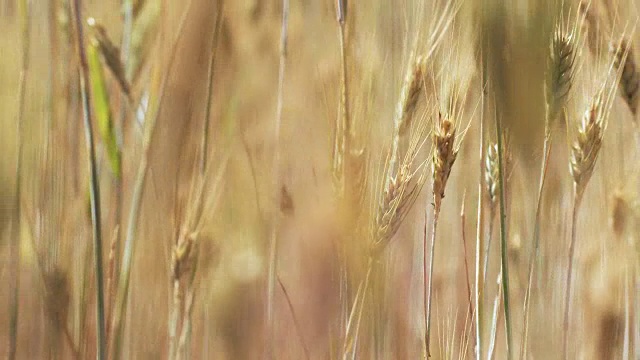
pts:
pixel 584 154
pixel 400 189
pixel 444 155
pixel 561 70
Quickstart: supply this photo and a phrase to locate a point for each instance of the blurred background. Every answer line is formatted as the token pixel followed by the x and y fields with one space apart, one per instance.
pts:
pixel 223 293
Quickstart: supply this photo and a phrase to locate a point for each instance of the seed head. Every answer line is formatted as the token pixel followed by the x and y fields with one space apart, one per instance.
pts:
pixel 444 155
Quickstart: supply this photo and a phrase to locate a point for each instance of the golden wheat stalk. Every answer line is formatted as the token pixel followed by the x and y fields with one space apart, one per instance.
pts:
pixel 584 154
pixel 410 94
pixel 400 190
pixel 445 152
pixel 562 66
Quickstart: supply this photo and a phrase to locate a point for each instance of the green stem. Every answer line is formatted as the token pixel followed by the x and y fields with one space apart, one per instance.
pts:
pixel 94 184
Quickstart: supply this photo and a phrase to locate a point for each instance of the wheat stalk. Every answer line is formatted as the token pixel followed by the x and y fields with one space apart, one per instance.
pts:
pixel 584 154
pixel 445 151
pixel 565 52
pixel 94 188
pixel 400 190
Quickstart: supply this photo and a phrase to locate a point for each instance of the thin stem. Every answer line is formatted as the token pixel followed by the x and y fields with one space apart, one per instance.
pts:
pixel 14 246
pixel 174 320
pixel 503 236
pixel 466 263
pixel 494 320
pixel 358 307
pixel 428 290
pixel 567 297
pixel 94 185
pixel 295 318
pixel 480 230
pixel 184 345
pixel 487 249
pixel 536 244
pixel 273 243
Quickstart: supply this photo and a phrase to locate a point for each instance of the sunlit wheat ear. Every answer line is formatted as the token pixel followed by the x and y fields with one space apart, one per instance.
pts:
pixel 410 95
pixel 400 191
pixel 586 146
pixel 444 155
pixel 561 67
pixel 492 173
pixel 629 78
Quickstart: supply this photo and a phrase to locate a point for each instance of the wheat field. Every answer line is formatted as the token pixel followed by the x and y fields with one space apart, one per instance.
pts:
pixel 320 179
